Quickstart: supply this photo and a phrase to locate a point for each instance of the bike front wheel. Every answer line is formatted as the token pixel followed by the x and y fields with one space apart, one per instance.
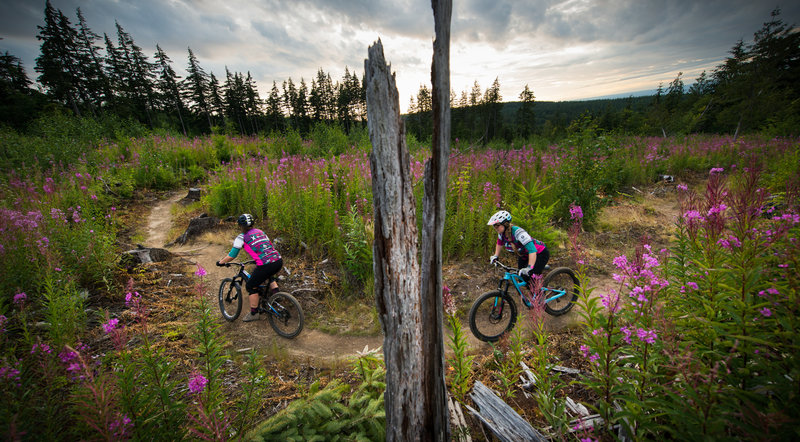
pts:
pixel 560 280
pixel 230 299
pixel 285 314
pixel 491 315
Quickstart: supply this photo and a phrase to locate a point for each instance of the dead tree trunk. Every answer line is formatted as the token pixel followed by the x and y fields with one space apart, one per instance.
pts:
pixel 395 253
pixel 434 393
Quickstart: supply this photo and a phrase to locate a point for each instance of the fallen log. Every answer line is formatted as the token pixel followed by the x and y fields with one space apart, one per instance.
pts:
pixel 501 419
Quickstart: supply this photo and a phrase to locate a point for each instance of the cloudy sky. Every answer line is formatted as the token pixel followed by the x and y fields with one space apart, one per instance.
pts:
pixel 563 50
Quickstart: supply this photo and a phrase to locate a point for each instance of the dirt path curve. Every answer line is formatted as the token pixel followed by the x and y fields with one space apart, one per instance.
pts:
pixel 311 346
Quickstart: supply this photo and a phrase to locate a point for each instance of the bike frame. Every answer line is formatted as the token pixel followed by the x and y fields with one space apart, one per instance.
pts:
pixel 243 276
pixel 514 279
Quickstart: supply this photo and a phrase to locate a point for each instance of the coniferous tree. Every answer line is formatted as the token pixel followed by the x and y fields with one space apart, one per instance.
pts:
pixel 115 75
pixel 289 101
pixel 216 105
pixel 274 114
pixel 12 75
pixel 58 59
pixel 139 75
pixel 253 103
pixel 91 64
pixel 301 107
pixel 196 86
pixel 492 111
pixel 526 118
pixel 168 86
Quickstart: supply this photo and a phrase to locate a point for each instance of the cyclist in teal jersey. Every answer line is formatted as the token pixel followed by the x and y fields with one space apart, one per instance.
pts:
pixel 532 254
pixel 268 261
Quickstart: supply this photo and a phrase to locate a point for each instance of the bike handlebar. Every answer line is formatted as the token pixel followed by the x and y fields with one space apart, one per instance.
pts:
pixel 240 264
pixel 497 263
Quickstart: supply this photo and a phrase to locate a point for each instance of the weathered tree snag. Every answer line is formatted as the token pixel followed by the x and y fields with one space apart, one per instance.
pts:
pixel 436 422
pixel 395 253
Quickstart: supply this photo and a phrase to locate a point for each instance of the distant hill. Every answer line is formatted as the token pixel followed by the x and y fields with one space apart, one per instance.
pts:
pixel 567 111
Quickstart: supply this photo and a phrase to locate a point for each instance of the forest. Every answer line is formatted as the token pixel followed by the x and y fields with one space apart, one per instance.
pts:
pixel 679 212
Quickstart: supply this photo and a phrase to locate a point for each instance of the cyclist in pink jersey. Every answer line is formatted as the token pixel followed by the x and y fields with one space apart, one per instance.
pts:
pixel 255 243
pixel 532 254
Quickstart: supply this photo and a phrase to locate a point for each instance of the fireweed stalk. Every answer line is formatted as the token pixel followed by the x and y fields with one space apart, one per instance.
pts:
pixel 736 307
pixel 460 363
pixel 621 341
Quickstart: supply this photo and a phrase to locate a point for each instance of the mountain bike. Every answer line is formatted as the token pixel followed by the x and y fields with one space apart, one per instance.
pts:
pixel 282 309
pixel 495 313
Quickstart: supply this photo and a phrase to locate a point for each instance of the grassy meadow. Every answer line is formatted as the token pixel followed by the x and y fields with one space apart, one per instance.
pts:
pixel 698 341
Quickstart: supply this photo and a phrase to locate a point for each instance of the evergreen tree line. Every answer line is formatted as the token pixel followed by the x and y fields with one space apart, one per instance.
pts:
pixel 97 76
pixel 756 88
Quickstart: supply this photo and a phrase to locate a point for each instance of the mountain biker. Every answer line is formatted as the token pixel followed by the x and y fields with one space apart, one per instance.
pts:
pixel 268 261
pixel 532 254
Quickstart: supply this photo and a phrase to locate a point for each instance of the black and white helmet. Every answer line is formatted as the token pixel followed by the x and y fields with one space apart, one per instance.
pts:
pixel 499 217
pixel 245 220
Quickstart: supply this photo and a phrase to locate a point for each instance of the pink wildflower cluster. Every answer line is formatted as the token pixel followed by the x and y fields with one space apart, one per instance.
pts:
pixel 491 192
pixel 11 374
pixel 638 276
pixel 19 298
pixel 197 383
pixel 587 353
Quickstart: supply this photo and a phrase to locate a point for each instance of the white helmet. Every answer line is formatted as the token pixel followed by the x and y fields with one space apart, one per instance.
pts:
pixel 499 217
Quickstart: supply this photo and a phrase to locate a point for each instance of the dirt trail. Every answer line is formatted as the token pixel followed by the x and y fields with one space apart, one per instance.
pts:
pixel 314 346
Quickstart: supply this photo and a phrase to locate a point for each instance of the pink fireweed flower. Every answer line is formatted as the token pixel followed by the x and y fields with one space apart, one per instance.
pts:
pixel 585 350
pixel 42 347
pixel 717 209
pixel 766 312
pixel 621 262
pixel 648 336
pixel 627 331
pixel 110 325
pixel 200 271
pixel 716 170
pixel 692 215
pixel 683 187
pixel 197 383
pixel 19 298
pixel 575 212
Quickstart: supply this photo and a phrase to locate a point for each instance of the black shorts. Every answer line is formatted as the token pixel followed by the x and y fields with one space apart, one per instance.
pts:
pixel 261 274
pixel 541 261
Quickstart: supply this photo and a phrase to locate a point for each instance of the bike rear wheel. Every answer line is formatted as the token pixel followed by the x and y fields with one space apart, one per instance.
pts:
pixel 285 314
pixel 230 299
pixel 560 279
pixel 492 314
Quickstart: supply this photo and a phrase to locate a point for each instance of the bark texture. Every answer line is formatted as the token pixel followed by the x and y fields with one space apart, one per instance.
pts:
pixel 395 252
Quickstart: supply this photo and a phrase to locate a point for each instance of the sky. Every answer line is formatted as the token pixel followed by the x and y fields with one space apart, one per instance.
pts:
pixel 563 50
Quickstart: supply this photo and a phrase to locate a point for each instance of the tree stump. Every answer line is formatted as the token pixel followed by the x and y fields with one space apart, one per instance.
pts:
pixel 197 226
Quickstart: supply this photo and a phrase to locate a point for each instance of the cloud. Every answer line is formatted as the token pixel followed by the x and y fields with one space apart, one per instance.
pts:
pixel 563 49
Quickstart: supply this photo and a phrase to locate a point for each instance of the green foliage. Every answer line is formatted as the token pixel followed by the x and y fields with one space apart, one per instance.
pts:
pixel 547 385
pixel 64 309
pixel 211 356
pixel 507 355
pixel 529 210
pixel 357 246
pixel 327 415
pixel 461 377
